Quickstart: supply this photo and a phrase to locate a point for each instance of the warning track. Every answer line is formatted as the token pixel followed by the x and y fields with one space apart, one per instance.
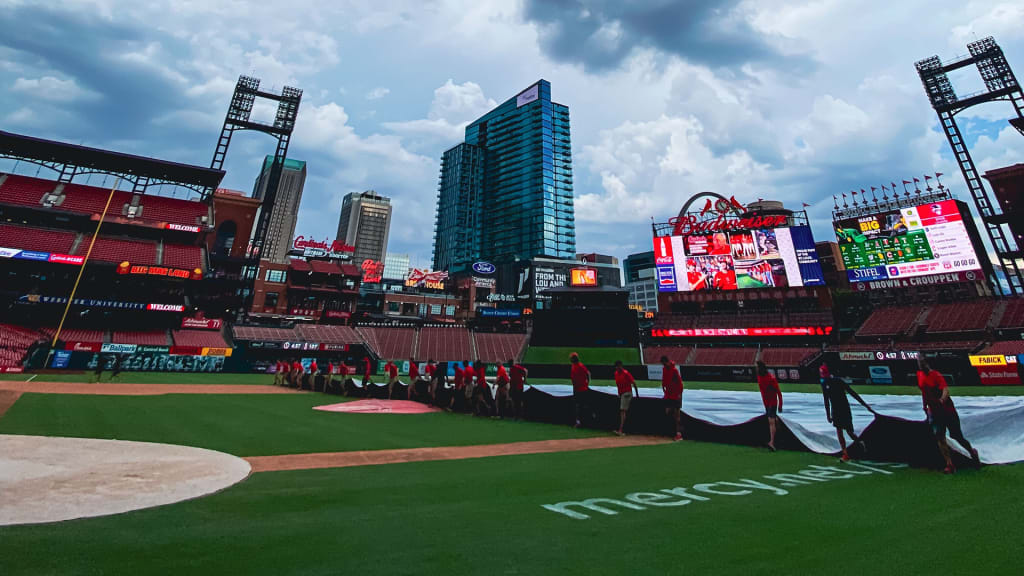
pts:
pixel 128 389
pixel 375 457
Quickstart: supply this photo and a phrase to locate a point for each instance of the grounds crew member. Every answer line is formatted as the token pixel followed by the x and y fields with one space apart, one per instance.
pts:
pixel 771 396
pixel 392 371
pixel 460 385
pixel 367 376
pixel 626 386
pixel 414 377
pixel 501 400
pixel 580 377
pixel 672 388
pixel 942 414
pixel 837 410
pixel 518 380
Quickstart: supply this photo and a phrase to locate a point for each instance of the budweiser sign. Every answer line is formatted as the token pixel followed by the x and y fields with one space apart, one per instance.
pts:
pixel 430 279
pixel 694 224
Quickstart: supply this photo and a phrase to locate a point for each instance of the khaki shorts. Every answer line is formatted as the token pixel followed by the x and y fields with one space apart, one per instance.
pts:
pixel 625 400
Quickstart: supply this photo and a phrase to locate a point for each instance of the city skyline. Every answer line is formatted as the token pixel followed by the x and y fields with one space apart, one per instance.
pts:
pixel 752 101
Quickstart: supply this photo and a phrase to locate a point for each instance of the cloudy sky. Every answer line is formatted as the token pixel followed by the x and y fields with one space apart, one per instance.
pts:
pixel 773 99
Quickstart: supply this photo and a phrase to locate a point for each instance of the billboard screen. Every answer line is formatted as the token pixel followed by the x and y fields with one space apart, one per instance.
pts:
pixel 737 259
pixel 914 241
pixel 583 277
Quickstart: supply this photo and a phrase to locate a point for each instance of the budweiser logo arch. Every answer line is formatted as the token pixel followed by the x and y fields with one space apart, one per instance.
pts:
pixel 711 212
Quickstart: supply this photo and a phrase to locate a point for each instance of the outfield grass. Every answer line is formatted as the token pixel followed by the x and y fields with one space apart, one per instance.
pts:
pixel 484 516
pixel 147 378
pixel 560 355
pixel 258 424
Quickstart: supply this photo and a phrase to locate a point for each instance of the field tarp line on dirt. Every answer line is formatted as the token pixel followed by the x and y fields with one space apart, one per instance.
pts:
pixel 993 424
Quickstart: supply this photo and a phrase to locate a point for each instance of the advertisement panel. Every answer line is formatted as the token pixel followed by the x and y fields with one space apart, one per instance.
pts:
pixel 999 376
pixel 138 361
pixel 855 356
pixel 583 277
pixel 732 258
pixel 914 241
pixel 202 323
pixel 781 331
pixel 880 374
pixel 499 312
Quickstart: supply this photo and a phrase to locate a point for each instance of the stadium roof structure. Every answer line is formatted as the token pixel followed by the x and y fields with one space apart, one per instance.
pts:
pixel 71 160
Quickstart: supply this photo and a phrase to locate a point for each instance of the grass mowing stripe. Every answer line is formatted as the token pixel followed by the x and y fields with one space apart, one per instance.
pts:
pixel 485 516
pixel 259 425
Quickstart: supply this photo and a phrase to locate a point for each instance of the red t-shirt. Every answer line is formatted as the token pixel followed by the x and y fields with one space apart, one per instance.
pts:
pixel 366 366
pixel 468 374
pixel 932 384
pixel 429 370
pixel 823 372
pixel 392 369
pixel 481 376
pixel 281 368
pixel 624 381
pixel 297 367
pixel 414 371
pixel 313 367
pixel 518 377
pixel 725 280
pixel 671 382
pixel 330 368
pixel 459 375
pixel 579 376
pixel 343 369
pixel 502 376
pixel 771 395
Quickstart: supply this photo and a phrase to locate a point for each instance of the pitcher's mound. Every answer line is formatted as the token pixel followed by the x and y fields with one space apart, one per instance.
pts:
pixel 44 479
pixel 379 407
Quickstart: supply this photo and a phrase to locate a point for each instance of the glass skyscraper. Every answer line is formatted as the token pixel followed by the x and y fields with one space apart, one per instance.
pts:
pixel 506 192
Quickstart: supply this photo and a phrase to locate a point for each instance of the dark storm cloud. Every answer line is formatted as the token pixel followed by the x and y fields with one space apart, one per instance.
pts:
pixel 90 50
pixel 705 32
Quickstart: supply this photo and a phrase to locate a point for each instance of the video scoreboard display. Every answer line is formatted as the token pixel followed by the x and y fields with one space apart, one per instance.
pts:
pixel 913 241
pixel 735 259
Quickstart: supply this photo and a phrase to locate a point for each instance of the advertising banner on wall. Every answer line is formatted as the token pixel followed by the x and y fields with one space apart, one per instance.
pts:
pixel 138 361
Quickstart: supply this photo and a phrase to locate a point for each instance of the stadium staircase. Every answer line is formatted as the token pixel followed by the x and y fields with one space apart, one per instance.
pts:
pixel 473 349
pixel 416 343
pixel 998 312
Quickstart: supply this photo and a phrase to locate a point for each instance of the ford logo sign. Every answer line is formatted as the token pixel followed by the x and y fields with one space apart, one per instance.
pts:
pixel 483 268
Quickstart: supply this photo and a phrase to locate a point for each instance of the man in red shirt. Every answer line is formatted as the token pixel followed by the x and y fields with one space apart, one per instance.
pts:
pixel 501 395
pixel 314 373
pixel 414 377
pixel 392 371
pixel 367 376
pixel 672 387
pixel 297 371
pixel 329 376
pixel 518 380
pixel 580 377
pixel 771 396
pixel 460 385
pixel 942 414
pixel 823 373
pixel 468 375
pixel 725 279
pixel 482 392
pixel 432 374
pixel 627 385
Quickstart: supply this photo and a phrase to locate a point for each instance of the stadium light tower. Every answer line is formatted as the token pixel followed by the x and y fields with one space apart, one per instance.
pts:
pixel 1000 84
pixel 247 90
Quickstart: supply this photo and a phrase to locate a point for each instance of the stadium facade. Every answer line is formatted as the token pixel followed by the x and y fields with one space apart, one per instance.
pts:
pixel 506 193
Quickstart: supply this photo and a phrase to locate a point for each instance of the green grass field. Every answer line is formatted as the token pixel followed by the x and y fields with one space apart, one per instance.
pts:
pixel 560 355
pixel 485 516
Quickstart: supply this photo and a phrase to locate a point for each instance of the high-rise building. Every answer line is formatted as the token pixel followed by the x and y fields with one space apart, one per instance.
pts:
pixel 396 267
pixel 506 192
pixel 635 263
pixel 285 210
pixel 365 223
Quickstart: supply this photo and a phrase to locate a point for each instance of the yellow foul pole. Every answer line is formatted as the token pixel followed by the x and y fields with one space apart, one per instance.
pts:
pixel 81 269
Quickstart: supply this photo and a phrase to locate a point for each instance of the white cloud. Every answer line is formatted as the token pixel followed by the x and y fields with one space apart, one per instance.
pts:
pixel 21 116
pixel 53 89
pixel 454 106
pixel 377 93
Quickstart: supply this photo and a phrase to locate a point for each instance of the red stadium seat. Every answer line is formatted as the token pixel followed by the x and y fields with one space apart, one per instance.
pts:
pixel 960 317
pixel 186 257
pixel 890 322
pixel 1013 316
pixel 173 210
pixel 199 338
pixel 39 239
pixel 496 347
pixel 390 342
pixel 265 333
pixel 328 334
pixel 446 344
pixel 25 190
pixel 147 338
pixel 1010 348
pixel 119 250
pixel 91 200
